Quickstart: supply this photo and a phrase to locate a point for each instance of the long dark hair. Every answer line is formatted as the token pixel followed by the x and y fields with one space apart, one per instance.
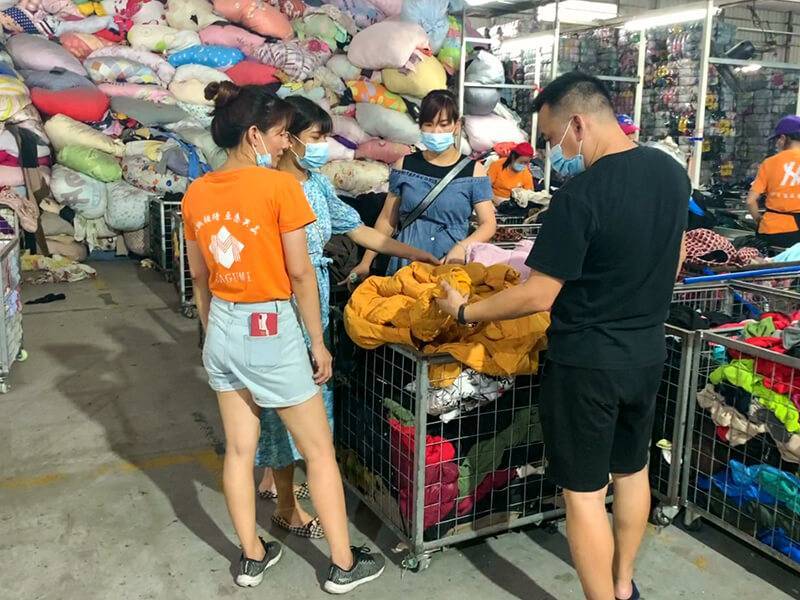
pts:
pixel 512 156
pixel 236 109
pixel 308 113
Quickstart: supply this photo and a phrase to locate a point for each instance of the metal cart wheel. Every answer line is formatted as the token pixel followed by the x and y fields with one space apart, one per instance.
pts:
pixel 660 518
pixel 22 356
pixel 417 563
pixel 5 387
pixel 691 521
pixel 189 311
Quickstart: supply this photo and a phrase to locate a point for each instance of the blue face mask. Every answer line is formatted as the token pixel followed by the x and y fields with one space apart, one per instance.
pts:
pixel 518 167
pixel 315 156
pixel 438 142
pixel 263 160
pixel 566 167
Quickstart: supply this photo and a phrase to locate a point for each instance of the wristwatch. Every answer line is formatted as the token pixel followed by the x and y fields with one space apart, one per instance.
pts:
pixel 460 318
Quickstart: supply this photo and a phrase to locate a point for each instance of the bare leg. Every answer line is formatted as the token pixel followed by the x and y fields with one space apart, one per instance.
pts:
pixel 590 542
pixel 631 509
pixel 240 419
pixel 288 506
pixel 267 481
pixel 308 424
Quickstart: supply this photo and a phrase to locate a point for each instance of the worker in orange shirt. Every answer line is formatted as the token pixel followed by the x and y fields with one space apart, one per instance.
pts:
pixel 778 180
pixel 511 173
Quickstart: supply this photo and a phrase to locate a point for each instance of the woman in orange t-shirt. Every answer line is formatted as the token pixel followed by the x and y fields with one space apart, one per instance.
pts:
pixel 246 244
pixel 511 173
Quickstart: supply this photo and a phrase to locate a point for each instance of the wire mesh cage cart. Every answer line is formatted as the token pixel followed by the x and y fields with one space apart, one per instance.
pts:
pixel 160 229
pixel 739 300
pixel 442 455
pixel 743 449
pixel 11 331
pixel 181 276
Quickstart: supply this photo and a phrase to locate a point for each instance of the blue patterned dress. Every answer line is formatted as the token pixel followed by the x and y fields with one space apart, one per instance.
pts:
pixel 276 448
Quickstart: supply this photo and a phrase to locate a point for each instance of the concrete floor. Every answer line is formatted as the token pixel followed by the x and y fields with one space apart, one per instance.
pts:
pixel 109 482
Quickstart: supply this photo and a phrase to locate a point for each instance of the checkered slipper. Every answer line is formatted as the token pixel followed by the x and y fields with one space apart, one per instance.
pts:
pixel 302 492
pixel 311 530
pixel 267 495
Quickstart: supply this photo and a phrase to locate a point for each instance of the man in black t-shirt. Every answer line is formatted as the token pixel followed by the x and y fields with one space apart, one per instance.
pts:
pixel 604 263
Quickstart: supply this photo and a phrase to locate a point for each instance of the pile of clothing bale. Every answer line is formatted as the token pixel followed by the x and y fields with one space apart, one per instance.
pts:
pixel 103 106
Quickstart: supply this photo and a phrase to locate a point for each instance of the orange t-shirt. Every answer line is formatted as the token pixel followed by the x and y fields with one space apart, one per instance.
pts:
pixel 505 180
pixel 237 218
pixel 779 178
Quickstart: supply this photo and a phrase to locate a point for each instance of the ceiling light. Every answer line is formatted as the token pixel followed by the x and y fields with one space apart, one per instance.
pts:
pixel 528 42
pixel 580 12
pixel 671 18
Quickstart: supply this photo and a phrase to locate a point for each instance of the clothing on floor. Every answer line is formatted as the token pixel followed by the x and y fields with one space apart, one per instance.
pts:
pixel 617 256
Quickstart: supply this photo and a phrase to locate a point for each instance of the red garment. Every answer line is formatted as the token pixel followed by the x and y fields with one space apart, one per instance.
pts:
pixel 722 433
pixel 493 481
pixel 767 342
pixel 780 320
pixel 441 473
pixel 776 377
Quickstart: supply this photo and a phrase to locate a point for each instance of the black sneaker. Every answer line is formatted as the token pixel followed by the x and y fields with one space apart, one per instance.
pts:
pixel 251 572
pixel 366 567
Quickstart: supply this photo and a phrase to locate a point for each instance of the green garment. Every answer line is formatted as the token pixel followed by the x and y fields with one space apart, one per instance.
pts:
pixel 486 455
pixel 741 373
pixel 403 415
pixel 762 328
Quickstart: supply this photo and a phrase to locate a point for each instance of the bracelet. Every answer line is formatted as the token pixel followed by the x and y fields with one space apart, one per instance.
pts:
pixel 461 317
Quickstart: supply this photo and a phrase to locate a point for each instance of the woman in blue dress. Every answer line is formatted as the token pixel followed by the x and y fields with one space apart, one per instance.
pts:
pixel 443 229
pixel 277 453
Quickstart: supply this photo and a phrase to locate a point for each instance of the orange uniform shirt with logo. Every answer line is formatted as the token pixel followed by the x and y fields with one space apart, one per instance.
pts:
pixel 237 218
pixel 505 180
pixel 779 178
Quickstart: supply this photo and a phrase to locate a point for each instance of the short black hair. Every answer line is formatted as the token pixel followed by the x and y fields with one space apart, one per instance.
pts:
pixel 308 113
pixel 794 137
pixel 438 101
pixel 579 92
pixel 512 156
pixel 236 109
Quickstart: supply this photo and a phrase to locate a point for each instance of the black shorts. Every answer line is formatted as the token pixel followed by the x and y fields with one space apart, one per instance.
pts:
pixel 596 422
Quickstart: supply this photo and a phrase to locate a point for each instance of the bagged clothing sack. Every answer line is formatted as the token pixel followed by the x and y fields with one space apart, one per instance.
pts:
pixel 13 96
pixel 190 82
pixel 232 37
pixel 88 105
pixel 218 57
pixel 297 59
pixel 391 8
pixel 386 123
pixel 83 194
pixel 354 177
pixel 480 101
pixel 108 69
pixel 67 247
pixel 427 76
pixel 431 15
pixel 53 224
pixel 148 113
pixel 137 242
pixel 364 12
pixel 389 44
pixel 90 161
pixel 126 206
pixel 157 64
pixel 486 68
pixel 55 80
pixel 348 130
pixel 81 45
pixel 256 15
pixel 190 15
pixel 450 53
pixel 344 69
pixel 161 38
pixel 338 151
pixel 63 131
pixel 37 53
pixel 250 72
pixel 486 131
pixel 375 93
pixel 204 142
pixel 153 93
pixel 383 151
pixel 144 174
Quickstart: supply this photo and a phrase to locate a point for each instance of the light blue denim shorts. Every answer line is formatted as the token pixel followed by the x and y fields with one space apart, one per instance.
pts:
pixel 276 369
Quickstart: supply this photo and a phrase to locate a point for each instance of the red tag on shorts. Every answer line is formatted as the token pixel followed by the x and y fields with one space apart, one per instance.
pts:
pixel 263 324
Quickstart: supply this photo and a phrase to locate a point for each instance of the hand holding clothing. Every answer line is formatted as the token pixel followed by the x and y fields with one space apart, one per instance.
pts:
pixel 452 301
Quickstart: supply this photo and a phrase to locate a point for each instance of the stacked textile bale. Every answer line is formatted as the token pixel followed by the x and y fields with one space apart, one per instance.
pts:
pixel 112 93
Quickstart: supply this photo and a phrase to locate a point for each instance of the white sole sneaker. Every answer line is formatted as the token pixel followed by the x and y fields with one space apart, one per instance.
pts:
pixel 253 581
pixel 339 588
